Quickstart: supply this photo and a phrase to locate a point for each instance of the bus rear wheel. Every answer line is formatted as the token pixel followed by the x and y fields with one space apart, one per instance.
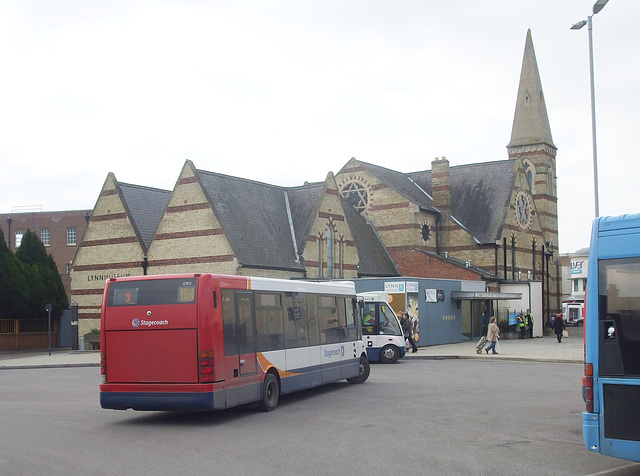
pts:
pixel 389 354
pixel 364 370
pixel 270 393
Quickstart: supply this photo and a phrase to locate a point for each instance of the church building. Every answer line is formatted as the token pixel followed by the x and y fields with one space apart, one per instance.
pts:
pixel 494 221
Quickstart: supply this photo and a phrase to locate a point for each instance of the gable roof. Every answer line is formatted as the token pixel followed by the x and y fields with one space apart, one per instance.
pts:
pixel 403 184
pixel 261 222
pixel 254 218
pixel 145 207
pixel 480 193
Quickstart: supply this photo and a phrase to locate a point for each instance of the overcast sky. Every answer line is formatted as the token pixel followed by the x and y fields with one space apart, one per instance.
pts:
pixel 285 91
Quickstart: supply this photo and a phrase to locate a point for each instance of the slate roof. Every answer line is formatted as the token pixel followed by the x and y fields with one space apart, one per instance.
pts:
pixel 303 201
pixel 145 206
pixel 530 121
pixel 254 218
pixel 403 184
pixel 374 258
pixel 480 195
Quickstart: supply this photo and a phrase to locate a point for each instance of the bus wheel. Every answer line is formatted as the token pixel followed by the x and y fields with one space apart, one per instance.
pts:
pixel 364 371
pixel 270 394
pixel 389 354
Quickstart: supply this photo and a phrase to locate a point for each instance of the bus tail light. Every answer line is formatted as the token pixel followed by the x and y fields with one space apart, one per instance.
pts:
pixel 205 366
pixel 587 381
pixel 103 366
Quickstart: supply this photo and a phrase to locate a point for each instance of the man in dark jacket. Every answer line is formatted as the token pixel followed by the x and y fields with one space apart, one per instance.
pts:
pixel 559 327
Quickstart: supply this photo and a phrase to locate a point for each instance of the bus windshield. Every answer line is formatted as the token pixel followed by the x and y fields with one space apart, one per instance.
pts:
pixel 619 297
pixel 389 324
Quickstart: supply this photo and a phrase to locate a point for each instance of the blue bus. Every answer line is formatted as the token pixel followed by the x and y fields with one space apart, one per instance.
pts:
pixel 611 422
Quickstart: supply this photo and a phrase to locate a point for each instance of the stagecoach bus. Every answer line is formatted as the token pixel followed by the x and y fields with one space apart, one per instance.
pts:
pixel 204 341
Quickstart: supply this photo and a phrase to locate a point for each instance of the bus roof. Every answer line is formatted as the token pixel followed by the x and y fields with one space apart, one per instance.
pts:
pixel 259 283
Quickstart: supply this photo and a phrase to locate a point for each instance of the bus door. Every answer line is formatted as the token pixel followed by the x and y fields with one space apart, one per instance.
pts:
pixel 239 347
pixel 239 334
pixel 246 333
pixel 370 324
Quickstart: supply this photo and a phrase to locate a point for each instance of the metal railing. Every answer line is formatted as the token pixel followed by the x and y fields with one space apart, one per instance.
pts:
pixel 26 326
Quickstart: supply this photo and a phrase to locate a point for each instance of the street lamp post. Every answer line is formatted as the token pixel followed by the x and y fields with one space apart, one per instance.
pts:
pixel 599 5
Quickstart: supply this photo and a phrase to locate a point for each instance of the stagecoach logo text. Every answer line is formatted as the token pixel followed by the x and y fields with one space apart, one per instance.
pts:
pixel 138 323
pixel 334 353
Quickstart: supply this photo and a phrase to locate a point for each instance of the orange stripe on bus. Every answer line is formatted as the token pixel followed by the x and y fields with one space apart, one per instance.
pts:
pixel 266 365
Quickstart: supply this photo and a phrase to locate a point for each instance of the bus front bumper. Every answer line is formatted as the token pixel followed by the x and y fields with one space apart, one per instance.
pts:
pixel 591 431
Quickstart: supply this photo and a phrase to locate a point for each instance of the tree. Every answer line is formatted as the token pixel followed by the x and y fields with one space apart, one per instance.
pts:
pixel 13 284
pixel 45 284
pixel 31 250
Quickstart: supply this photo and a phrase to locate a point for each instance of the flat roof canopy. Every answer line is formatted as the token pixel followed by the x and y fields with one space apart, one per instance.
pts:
pixel 483 296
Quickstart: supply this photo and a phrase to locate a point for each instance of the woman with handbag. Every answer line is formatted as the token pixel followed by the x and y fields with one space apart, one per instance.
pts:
pixel 493 334
pixel 559 327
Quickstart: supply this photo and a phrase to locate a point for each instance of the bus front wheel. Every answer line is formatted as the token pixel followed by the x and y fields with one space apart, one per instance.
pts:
pixel 270 393
pixel 389 354
pixel 364 370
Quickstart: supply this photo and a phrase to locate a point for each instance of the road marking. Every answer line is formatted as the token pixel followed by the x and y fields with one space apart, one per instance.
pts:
pixel 612 470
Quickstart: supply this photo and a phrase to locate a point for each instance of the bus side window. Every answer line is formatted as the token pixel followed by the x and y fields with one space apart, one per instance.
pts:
pixel 346 320
pixel 328 314
pixel 369 319
pixel 295 322
pixel 269 321
pixel 312 317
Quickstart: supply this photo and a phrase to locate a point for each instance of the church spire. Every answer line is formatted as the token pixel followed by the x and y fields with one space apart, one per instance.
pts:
pixel 530 122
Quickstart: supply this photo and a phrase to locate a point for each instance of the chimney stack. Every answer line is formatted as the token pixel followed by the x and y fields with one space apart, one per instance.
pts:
pixel 441 184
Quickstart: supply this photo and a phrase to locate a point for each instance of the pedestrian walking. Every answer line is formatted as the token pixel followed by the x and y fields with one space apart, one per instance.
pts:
pixel 559 327
pixel 493 334
pixel 405 322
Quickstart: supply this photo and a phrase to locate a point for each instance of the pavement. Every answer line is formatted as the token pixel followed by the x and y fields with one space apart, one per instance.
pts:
pixel 538 349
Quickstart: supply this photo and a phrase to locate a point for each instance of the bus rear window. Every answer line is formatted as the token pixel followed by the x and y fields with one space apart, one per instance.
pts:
pixel 152 292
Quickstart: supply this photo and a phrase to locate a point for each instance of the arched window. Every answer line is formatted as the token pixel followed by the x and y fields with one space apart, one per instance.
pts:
pixel 529 171
pixel 341 256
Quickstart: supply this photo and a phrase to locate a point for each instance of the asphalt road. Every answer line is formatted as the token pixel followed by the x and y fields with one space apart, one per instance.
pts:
pixel 426 417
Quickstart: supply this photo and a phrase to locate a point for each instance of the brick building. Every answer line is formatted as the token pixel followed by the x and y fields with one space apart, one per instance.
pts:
pixel 493 221
pixel 60 232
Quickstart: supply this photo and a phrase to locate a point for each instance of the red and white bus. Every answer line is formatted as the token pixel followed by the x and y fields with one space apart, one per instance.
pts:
pixel 204 341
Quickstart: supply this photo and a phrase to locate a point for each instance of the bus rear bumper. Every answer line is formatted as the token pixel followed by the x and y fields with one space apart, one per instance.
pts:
pixel 157 401
pixel 591 431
